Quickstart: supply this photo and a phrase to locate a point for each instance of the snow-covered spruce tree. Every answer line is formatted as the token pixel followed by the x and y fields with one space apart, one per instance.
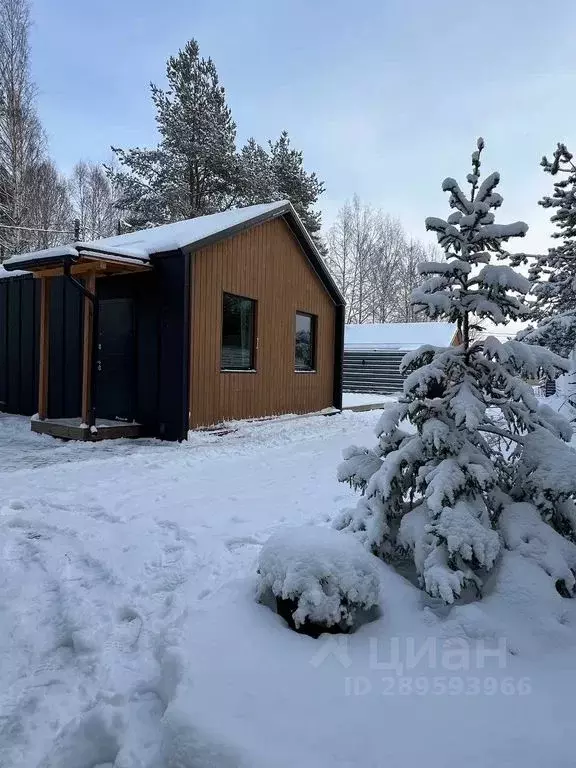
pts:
pixel 555 271
pixel 468 438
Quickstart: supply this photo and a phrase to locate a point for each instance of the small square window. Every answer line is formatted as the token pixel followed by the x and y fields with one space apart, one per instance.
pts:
pixel 305 349
pixel 238 325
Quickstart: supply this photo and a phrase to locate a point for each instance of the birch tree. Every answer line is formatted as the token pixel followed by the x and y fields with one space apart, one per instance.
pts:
pixel 93 201
pixel 49 206
pixel 374 264
pixel 21 138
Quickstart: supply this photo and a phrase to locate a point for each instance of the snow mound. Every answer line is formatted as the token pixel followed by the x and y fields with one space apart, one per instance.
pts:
pixel 327 574
pixel 525 532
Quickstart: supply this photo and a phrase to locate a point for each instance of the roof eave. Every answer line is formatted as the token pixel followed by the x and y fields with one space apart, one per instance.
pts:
pixel 111 253
pixel 287 212
pixel 314 255
pixel 39 263
pixel 224 234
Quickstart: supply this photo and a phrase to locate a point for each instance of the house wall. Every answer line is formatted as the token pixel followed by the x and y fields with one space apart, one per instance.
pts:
pixel 267 264
pixel 142 289
pixel 19 338
pixel 161 344
pixel 172 277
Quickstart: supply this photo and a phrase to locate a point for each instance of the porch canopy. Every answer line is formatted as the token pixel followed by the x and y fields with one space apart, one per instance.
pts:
pixel 82 264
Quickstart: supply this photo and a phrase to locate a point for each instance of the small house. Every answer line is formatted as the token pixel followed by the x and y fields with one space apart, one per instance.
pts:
pixel 373 352
pixel 186 325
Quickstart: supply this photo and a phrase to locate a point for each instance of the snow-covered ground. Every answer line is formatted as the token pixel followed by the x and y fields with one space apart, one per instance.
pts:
pixel 130 637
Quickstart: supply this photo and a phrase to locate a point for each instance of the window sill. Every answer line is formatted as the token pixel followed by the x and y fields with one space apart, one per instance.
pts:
pixel 297 370
pixel 238 370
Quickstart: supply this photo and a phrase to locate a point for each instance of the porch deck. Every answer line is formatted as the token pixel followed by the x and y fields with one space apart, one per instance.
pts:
pixel 75 429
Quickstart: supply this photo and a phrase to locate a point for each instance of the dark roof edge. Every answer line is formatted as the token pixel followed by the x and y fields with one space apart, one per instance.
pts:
pixel 313 254
pixel 42 261
pixel 235 229
pixel 298 229
pixel 57 259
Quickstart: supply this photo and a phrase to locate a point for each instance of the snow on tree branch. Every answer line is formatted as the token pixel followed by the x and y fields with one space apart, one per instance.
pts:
pixel 554 273
pixel 468 437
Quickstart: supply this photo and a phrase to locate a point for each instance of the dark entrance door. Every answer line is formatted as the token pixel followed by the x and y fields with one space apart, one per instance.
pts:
pixel 115 362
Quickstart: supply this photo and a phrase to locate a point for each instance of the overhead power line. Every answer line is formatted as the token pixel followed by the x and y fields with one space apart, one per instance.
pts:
pixel 75 232
pixel 39 229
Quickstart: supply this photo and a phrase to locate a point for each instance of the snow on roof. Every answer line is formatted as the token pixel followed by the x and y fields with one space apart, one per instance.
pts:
pixel 48 254
pixel 400 336
pixel 142 243
pixel 14 273
pixel 170 237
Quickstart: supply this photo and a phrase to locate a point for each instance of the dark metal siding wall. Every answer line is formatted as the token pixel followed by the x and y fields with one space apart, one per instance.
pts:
pixel 19 328
pixel 162 345
pixel 172 271
pixel 65 349
pixel 373 371
pixel 143 291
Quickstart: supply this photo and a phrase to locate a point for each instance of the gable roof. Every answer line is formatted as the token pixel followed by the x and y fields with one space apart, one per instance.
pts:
pixel 187 236
pixel 398 336
pixel 143 243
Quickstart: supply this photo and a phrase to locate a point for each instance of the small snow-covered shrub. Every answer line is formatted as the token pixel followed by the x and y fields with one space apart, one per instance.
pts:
pixel 321 579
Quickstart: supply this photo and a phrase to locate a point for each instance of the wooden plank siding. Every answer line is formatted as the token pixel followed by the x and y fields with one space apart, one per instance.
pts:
pixel 264 263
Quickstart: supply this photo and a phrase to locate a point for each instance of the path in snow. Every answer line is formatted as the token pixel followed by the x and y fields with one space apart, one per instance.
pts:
pixel 105 545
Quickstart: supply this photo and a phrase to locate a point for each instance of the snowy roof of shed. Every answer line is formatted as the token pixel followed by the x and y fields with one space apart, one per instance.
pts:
pixel 398 336
pixel 14 273
pixel 191 234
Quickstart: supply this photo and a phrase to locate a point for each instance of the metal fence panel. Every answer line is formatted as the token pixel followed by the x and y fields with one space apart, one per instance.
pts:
pixel 375 371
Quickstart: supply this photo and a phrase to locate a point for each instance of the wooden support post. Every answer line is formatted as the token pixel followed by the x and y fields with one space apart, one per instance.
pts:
pixel 87 350
pixel 45 285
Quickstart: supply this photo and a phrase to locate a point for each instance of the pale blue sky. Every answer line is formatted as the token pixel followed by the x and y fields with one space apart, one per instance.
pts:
pixel 385 97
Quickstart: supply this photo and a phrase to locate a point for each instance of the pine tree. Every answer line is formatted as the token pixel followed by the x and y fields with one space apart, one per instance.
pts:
pixel 192 171
pixel 555 271
pixel 468 459
pixel 295 184
pixel 257 182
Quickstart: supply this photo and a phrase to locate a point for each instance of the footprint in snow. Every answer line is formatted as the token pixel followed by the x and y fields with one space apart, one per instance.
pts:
pixel 130 628
pixel 92 739
pixel 179 533
pixel 235 542
pixel 101 514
